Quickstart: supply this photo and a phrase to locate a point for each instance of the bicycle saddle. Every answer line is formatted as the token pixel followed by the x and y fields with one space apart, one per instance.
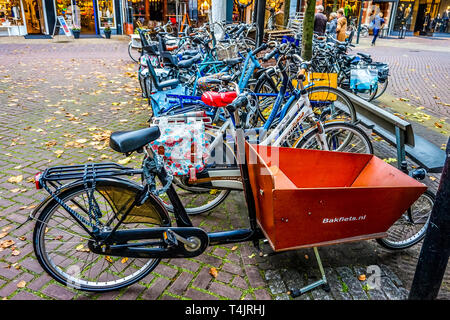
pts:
pixel 232 62
pixel 365 56
pixel 218 99
pixel 129 141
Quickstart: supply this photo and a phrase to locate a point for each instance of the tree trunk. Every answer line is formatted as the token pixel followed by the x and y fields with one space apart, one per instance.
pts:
pixel 287 7
pixel 308 29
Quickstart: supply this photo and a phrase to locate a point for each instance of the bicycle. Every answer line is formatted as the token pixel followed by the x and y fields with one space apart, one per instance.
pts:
pixel 99 232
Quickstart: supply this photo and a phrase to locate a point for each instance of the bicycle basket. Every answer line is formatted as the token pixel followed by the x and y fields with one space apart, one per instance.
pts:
pixel 321 79
pixel 120 199
pixel 182 145
pixel 226 52
pixel 300 203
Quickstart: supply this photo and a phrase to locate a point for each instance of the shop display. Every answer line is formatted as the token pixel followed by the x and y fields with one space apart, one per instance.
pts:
pixel 10 13
pixel 106 13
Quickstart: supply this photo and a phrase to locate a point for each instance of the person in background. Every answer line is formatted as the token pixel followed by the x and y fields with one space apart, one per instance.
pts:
pixel 320 21
pixel 341 27
pixel 378 23
pixel 331 25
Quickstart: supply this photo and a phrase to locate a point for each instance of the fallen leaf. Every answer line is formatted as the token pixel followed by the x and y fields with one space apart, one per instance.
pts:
pixel 306 257
pixel 3 234
pixel 16 179
pixel 21 284
pixel 15 253
pixel 108 258
pixel 234 248
pixel 432 178
pixel 437 125
pixel 124 260
pixel 362 277
pixel 6 243
pixel 213 271
pixel 124 161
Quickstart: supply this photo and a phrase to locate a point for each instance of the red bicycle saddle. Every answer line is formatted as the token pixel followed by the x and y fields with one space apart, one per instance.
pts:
pixel 218 99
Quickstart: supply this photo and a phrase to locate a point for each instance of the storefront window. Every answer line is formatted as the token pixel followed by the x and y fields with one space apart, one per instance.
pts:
pixel 148 13
pixel 10 13
pixel 403 16
pixel 106 15
pixel 64 8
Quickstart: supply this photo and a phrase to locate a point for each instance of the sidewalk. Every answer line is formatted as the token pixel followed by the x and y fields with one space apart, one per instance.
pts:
pixel 58 102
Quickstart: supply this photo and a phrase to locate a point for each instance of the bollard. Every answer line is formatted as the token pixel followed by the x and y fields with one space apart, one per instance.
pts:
pixel 435 250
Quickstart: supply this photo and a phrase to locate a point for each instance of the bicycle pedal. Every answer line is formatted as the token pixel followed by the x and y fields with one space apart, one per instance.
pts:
pixel 170 239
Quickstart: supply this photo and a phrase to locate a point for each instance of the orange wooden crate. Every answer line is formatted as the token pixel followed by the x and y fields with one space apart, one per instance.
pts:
pixel 309 198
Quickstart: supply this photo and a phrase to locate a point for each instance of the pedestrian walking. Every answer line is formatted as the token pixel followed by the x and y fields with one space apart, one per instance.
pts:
pixel 331 25
pixel 341 27
pixel 376 23
pixel 320 21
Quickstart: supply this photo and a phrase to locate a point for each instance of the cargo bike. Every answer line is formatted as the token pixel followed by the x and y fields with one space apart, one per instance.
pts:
pixel 99 230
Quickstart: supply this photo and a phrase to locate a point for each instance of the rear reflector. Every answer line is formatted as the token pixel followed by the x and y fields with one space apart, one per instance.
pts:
pixel 37 177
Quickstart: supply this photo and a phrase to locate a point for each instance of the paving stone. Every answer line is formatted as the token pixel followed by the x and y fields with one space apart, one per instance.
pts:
pixel 262 294
pixel 166 271
pixel 23 295
pixel 239 282
pixel 225 291
pixel 203 279
pixel 224 277
pixel 391 291
pixel 156 289
pixel 354 286
pixel 254 277
pixel 198 295
pixel 58 292
pixel 388 272
pixel 181 283
pixel 274 282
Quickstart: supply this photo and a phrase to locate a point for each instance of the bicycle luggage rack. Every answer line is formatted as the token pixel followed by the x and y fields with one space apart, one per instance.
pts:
pixel 300 204
pixel 86 171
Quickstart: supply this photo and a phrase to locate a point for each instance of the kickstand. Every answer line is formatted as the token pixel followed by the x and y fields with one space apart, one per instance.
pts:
pixel 297 292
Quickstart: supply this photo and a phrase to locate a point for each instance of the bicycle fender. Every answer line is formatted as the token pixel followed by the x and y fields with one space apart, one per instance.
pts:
pixel 50 201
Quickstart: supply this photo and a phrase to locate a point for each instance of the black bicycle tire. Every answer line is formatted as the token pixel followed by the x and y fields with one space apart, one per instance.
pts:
pixel 387 245
pixel 377 95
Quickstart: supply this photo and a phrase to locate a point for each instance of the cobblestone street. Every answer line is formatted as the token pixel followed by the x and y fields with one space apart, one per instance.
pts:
pixel 59 104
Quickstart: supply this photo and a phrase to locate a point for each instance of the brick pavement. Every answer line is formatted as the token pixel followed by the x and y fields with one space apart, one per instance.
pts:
pixel 53 94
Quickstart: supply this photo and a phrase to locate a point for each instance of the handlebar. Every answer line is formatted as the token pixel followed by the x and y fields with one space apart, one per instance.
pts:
pixel 241 29
pixel 270 55
pixel 260 48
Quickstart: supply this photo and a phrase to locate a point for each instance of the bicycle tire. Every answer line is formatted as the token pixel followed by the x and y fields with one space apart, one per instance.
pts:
pixel 305 141
pixel 67 274
pixel 416 237
pixel 384 86
pixel 345 103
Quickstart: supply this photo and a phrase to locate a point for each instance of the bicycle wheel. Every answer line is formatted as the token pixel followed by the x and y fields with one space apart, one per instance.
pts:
pixel 62 245
pixel 331 104
pixel 367 95
pixel 410 229
pixel 382 86
pixel 340 136
pixel 134 54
